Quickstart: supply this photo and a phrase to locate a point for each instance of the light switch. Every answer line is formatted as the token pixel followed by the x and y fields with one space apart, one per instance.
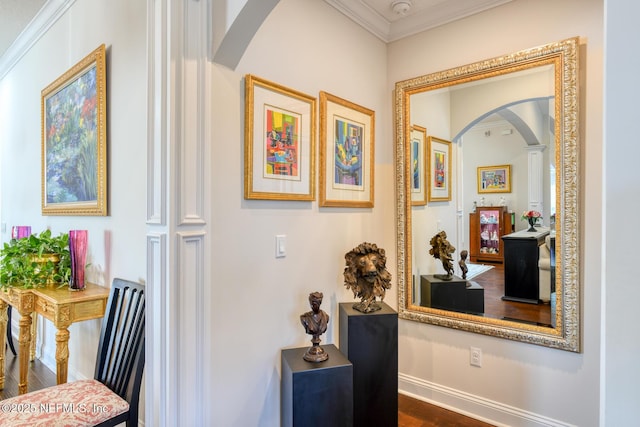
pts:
pixel 281 246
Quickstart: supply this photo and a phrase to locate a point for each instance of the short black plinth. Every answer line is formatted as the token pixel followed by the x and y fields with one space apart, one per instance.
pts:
pixel 456 294
pixel 316 393
pixel 370 342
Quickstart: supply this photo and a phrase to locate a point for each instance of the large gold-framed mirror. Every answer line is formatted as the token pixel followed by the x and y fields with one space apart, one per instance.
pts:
pixel 448 105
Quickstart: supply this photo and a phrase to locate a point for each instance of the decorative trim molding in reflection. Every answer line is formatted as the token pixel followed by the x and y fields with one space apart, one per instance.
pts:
pixel 566 335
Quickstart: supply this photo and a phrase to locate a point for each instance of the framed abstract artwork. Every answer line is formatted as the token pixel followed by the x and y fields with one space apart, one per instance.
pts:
pixel 347 147
pixel 279 145
pixel 439 173
pixel 494 179
pixel 418 138
pixel 74 140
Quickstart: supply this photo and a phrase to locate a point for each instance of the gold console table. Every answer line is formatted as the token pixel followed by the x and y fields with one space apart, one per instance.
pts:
pixel 62 307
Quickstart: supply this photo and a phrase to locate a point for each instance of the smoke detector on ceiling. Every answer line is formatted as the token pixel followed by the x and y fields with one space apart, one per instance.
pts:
pixel 401 7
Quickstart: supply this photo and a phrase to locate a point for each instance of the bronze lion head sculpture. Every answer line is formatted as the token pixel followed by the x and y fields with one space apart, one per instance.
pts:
pixel 367 276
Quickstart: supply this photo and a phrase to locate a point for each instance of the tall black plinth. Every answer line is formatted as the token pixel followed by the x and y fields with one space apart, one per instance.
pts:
pixel 316 394
pixel 370 342
pixel 521 271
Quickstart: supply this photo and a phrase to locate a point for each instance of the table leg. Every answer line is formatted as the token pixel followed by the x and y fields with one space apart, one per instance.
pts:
pixel 3 333
pixel 34 327
pixel 62 354
pixel 23 353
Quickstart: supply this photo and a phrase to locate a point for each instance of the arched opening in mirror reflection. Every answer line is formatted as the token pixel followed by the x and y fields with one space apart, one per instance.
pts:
pixel 500 136
pixel 518 111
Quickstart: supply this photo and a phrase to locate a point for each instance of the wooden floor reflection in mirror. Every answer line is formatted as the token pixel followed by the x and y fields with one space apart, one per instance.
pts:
pixel 492 281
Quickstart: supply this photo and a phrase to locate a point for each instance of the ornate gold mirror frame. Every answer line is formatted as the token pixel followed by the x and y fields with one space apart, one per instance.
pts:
pixel 563 56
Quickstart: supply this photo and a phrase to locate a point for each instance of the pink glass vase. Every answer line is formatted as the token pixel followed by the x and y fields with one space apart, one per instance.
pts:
pixel 20 231
pixel 78 250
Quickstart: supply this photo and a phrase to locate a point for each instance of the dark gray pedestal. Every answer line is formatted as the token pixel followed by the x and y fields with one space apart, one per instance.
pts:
pixel 452 295
pixel 370 342
pixel 316 394
pixel 521 272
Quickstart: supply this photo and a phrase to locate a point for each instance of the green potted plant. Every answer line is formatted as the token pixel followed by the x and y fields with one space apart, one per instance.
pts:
pixel 35 261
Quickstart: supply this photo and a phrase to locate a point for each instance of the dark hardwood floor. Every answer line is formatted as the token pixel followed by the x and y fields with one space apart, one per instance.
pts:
pixel 493 283
pixel 39 375
pixel 416 413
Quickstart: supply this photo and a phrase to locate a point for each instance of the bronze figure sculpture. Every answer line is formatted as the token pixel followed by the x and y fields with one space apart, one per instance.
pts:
pixel 367 276
pixel 315 323
pixel 463 263
pixel 441 249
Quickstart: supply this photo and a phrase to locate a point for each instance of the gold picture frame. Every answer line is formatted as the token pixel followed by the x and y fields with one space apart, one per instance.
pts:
pixel 279 150
pixel 494 179
pixel 439 170
pixel 347 153
pixel 418 141
pixel 74 139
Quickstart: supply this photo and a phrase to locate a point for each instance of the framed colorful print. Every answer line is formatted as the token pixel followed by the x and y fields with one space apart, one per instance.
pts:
pixel 494 179
pixel 439 174
pixel 279 144
pixel 418 138
pixel 346 153
pixel 74 140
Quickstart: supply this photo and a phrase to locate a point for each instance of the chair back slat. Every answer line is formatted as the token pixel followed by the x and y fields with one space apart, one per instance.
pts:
pixel 120 358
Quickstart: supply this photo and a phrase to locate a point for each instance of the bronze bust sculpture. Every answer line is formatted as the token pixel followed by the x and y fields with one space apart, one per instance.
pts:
pixel 441 249
pixel 367 276
pixel 315 323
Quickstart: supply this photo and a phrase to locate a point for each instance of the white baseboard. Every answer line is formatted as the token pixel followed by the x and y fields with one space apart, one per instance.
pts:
pixel 473 406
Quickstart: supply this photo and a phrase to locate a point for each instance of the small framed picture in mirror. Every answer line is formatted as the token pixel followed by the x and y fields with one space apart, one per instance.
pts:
pixel 494 179
pixel 439 175
pixel 418 165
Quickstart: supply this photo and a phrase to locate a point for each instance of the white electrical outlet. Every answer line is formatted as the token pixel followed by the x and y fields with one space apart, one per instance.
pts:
pixel 475 357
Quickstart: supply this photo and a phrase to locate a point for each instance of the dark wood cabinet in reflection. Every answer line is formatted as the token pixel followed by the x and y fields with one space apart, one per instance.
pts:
pixel 487 225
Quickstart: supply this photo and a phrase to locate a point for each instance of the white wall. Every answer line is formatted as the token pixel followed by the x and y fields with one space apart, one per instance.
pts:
pixel 117 241
pixel 495 149
pixel 536 382
pixel 620 374
pixel 308 46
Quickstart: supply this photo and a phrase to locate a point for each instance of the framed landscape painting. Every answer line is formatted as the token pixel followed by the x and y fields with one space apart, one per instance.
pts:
pixel 74 139
pixel 346 153
pixel 279 151
pixel 439 175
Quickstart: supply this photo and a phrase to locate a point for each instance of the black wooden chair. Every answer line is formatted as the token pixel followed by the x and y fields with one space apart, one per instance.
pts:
pixel 9 336
pixel 112 396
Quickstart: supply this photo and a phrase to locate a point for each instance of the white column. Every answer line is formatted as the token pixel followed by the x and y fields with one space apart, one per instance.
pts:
pixel 536 177
pixel 179 104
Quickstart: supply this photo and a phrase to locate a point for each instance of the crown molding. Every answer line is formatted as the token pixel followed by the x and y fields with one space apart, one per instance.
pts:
pixel 39 25
pixel 389 28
